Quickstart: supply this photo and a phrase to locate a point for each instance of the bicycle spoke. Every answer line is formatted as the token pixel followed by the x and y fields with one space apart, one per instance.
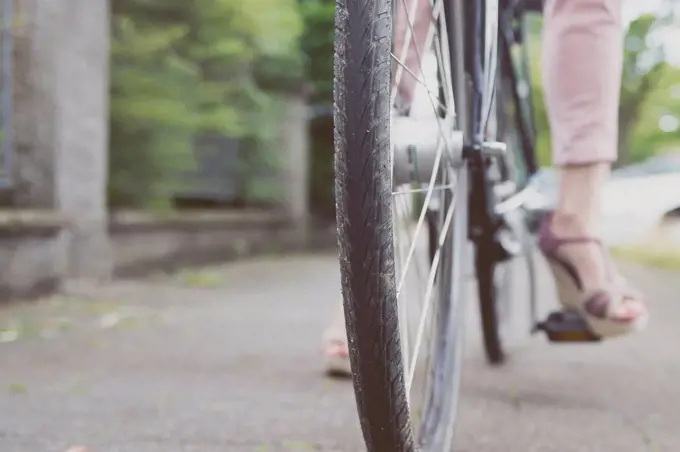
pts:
pixel 418 80
pixel 419 289
pixel 421 190
pixel 428 296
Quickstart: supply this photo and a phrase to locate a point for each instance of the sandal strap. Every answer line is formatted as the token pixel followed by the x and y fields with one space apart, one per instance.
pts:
pixel 564 240
pixel 548 242
pixel 557 242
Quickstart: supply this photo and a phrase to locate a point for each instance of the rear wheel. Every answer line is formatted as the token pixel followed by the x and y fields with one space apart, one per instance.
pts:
pixel 491 278
pixel 503 255
pixel 402 261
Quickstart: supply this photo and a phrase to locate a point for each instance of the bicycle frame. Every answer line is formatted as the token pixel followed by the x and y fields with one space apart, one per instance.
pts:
pixel 512 33
pixel 485 216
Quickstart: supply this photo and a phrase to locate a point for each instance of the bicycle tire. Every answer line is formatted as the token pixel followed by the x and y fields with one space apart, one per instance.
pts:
pixel 364 218
pixel 485 268
pixel 363 190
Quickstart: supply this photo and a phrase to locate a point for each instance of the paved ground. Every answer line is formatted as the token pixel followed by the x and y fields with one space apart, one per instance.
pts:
pixel 228 360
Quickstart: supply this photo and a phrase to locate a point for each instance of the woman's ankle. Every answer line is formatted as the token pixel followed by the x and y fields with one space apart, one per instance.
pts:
pixel 578 208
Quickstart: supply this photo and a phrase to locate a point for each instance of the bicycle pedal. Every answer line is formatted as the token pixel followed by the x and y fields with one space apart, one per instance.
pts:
pixel 566 326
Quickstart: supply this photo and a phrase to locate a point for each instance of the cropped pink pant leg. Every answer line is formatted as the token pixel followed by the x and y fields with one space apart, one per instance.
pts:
pixel 582 55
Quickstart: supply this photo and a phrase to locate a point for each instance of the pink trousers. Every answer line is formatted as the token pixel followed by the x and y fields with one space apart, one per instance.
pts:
pixel 582 54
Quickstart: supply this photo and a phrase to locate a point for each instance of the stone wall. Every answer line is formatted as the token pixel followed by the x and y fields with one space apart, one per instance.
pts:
pixel 32 254
pixel 144 243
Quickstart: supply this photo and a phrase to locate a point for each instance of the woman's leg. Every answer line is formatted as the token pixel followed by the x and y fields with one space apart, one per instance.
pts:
pixel 582 60
pixel 417 27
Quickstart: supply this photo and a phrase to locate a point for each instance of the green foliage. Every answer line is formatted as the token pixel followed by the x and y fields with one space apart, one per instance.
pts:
pixel 261 185
pixel 180 69
pixel 650 91
pixel 663 101
pixel 317 45
pixel 642 68
pixel 151 110
pixel 280 73
pixel 543 142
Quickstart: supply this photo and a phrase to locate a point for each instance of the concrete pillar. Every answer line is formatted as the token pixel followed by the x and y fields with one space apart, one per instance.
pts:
pixel 83 106
pixel 36 45
pixel 61 122
pixel 294 133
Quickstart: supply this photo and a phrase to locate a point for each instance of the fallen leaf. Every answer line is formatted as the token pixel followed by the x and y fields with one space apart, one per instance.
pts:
pixel 17 388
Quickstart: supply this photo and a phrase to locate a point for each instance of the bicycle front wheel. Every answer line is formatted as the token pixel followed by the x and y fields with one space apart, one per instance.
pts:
pixel 402 223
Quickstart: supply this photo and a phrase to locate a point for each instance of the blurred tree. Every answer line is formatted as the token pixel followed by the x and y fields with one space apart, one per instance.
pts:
pixel 317 45
pixel 533 41
pixel 643 66
pixel 179 69
pixel 658 127
pixel 153 111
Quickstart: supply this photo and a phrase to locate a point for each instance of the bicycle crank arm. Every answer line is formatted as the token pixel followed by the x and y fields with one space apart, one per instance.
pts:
pixel 566 326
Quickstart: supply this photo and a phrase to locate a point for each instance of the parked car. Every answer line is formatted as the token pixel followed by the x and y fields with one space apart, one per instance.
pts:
pixel 635 202
pixel 662 164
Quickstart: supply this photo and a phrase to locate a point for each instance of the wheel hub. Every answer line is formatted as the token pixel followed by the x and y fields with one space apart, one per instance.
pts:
pixel 415 144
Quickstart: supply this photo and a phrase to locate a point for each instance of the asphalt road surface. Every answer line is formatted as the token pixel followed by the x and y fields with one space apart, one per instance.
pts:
pixel 228 359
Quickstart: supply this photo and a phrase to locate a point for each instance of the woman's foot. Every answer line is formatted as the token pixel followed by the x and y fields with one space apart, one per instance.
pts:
pixel 335 348
pixel 336 358
pixel 587 280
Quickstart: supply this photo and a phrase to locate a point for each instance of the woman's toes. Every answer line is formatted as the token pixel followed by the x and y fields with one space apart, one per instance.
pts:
pixel 628 312
pixel 337 348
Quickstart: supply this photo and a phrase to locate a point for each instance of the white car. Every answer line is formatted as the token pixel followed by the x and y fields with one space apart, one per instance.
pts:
pixel 635 201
